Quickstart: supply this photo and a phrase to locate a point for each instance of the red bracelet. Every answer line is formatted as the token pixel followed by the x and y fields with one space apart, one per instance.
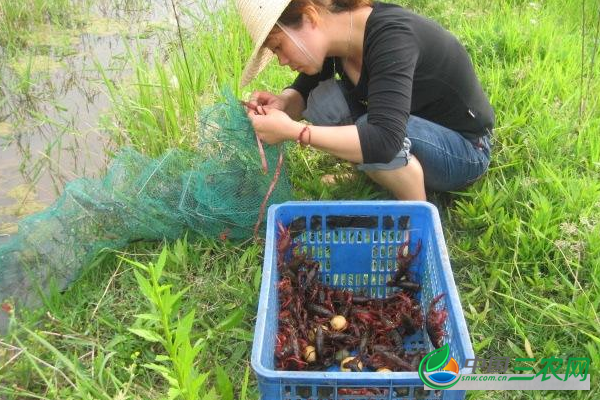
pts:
pixel 299 140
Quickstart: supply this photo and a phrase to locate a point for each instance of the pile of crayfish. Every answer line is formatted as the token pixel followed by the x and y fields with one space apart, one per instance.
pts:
pixel 321 327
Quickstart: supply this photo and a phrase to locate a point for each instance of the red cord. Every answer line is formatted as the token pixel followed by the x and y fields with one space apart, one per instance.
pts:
pixel 263 205
pixel 299 140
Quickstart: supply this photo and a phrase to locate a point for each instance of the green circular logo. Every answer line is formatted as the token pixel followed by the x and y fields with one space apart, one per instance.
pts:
pixel 443 369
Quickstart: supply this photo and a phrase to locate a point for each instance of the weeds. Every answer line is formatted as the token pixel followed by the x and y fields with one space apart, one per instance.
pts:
pixel 162 326
pixel 152 330
pixel 19 18
pixel 524 241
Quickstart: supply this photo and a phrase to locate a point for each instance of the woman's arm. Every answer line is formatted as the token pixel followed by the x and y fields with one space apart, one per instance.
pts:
pixel 276 126
pixel 294 103
pixel 340 141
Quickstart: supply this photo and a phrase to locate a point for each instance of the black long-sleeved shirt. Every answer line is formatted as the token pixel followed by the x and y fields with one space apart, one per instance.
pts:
pixel 411 65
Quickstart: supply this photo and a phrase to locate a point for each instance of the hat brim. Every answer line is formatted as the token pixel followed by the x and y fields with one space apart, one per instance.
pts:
pixel 259 59
pixel 259 17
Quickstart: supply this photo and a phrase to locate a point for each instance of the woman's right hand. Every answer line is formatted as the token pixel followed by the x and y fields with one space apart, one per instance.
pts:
pixel 269 100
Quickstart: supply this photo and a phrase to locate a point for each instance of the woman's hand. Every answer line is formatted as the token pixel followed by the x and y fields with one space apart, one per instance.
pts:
pixel 269 100
pixel 273 125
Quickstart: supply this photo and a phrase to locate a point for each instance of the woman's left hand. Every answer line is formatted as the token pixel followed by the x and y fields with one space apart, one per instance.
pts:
pixel 271 125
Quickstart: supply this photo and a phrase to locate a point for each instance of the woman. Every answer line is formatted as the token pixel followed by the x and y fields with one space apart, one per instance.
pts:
pixel 383 88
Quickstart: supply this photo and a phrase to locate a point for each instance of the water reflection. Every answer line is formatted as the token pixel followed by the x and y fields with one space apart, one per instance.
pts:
pixel 52 97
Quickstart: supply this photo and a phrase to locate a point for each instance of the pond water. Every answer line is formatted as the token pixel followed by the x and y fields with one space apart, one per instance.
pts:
pixel 52 98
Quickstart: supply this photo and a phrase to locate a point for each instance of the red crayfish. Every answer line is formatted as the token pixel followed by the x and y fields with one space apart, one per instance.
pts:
pixel 362 392
pixel 435 322
pixel 320 325
pixel 284 242
pixel 404 258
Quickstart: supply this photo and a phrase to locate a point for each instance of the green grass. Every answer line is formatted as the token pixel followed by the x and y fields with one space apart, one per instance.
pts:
pixel 158 109
pixel 524 242
pixel 96 341
pixel 19 20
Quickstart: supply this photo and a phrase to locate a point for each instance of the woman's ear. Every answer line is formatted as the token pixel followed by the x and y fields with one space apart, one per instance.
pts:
pixel 311 16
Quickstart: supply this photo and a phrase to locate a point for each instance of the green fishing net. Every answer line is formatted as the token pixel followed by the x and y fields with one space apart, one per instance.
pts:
pixel 216 191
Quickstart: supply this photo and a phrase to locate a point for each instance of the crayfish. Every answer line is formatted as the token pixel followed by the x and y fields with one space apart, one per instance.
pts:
pixel 362 392
pixel 404 258
pixel 320 325
pixel 284 242
pixel 435 322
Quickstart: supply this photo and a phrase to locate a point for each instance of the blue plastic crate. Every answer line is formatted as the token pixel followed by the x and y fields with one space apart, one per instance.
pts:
pixel 356 243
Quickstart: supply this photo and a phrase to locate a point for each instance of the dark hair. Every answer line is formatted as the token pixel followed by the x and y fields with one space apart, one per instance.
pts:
pixel 292 15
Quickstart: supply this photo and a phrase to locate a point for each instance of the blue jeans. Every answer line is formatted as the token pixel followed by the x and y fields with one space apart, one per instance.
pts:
pixel 451 160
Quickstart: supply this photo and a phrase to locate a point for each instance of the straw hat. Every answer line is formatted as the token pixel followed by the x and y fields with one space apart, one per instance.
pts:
pixel 259 17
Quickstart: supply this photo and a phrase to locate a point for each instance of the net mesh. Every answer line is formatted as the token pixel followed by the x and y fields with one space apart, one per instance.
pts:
pixel 214 191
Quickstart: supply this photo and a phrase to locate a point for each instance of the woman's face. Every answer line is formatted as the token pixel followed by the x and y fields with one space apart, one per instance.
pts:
pixel 304 53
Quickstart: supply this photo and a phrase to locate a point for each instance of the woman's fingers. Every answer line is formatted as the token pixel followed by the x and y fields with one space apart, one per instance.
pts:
pixel 260 98
pixel 270 124
pixel 267 99
pixel 248 105
pixel 254 109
